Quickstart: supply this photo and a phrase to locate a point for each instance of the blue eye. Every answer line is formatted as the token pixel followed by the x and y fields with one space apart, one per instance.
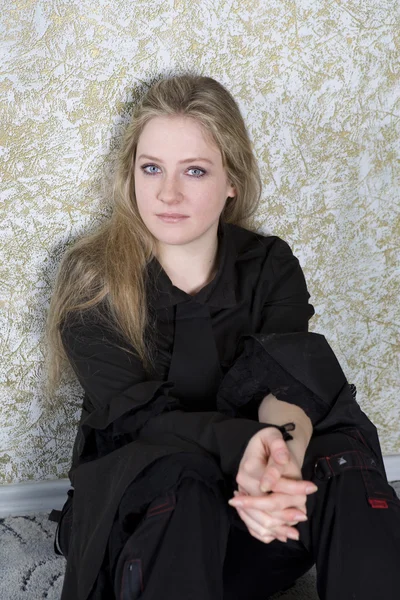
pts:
pixel 144 167
pixel 197 169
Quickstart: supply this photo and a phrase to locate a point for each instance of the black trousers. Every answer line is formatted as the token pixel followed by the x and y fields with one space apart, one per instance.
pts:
pixel 190 544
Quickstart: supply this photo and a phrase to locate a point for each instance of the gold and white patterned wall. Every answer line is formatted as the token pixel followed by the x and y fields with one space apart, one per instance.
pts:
pixel 318 85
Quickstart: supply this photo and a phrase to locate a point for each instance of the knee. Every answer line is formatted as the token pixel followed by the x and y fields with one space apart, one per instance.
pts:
pixel 336 452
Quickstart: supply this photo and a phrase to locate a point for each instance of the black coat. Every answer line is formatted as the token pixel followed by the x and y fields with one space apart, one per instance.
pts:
pixel 130 420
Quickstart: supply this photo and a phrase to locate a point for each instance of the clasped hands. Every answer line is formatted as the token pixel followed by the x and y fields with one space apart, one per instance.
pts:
pixel 270 487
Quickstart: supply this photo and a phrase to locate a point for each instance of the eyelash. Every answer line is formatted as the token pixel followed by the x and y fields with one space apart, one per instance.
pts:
pixel 143 167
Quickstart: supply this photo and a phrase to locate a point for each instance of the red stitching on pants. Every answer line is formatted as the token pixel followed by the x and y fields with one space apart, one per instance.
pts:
pixel 329 463
pixel 369 487
pixel 361 437
pixel 159 506
pixel 169 505
pixel 160 512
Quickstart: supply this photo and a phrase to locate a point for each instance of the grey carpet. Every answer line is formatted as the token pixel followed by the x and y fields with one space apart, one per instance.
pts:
pixel 31 570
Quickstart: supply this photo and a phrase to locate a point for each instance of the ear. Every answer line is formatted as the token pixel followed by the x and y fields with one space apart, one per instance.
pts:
pixel 232 191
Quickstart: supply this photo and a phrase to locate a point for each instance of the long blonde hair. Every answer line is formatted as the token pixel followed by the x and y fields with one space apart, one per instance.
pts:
pixel 109 265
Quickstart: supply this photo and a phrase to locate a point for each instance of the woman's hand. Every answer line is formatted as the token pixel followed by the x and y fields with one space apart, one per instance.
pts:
pixel 271 464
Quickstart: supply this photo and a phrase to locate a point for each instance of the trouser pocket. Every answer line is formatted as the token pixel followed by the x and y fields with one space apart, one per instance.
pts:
pixel 141 545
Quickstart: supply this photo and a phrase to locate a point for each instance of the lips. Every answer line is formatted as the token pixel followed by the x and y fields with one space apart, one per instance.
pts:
pixel 173 215
pixel 169 219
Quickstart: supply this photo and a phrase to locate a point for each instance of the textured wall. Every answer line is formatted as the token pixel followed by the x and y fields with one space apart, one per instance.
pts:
pixel 318 84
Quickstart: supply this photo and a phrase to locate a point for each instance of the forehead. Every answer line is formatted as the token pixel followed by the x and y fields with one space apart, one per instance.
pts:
pixel 178 133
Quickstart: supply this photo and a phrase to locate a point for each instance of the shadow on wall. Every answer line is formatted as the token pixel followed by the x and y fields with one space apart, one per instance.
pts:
pixel 53 432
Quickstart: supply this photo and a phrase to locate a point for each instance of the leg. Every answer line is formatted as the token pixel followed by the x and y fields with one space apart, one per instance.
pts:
pixel 354 521
pixel 254 570
pixel 177 549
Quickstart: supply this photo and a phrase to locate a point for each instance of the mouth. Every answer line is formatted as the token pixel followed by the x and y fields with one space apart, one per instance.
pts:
pixel 172 218
pixel 171 215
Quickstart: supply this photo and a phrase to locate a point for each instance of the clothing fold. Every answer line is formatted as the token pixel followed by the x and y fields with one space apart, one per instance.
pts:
pixel 218 353
pixel 299 368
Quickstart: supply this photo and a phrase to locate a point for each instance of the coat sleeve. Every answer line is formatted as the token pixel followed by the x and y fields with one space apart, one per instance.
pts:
pixel 285 309
pixel 123 405
pixel 296 365
pixel 282 357
pixel 119 398
pixel 286 306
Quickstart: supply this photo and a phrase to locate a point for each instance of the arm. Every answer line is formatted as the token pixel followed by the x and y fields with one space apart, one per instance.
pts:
pixel 125 406
pixel 272 410
pixel 285 309
pixel 299 368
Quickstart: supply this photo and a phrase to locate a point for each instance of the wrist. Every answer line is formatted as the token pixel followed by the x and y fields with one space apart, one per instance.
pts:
pixel 298 450
pixel 302 436
pixel 272 410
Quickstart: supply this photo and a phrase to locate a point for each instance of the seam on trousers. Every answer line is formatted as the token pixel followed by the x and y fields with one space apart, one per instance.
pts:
pixel 163 508
pixel 374 502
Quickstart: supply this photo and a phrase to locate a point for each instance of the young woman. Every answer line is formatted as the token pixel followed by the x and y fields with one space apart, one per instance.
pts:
pixel 188 331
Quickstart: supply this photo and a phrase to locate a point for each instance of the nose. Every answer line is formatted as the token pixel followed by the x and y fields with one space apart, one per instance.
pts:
pixel 170 190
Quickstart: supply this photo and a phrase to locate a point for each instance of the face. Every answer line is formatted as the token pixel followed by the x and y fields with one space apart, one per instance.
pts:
pixel 168 182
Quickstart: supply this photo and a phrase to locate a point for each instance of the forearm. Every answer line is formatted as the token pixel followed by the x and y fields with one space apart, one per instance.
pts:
pixel 272 410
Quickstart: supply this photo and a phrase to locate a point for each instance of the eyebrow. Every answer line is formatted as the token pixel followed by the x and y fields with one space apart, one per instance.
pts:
pixel 186 160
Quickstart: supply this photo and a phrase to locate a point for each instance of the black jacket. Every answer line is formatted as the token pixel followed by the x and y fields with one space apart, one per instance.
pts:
pixel 219 353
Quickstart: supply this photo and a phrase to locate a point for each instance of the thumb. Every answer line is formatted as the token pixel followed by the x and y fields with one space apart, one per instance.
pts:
pixel 271 475
pixel 279 457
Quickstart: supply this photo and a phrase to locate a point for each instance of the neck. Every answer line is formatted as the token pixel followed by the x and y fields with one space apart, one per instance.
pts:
pixel 192 266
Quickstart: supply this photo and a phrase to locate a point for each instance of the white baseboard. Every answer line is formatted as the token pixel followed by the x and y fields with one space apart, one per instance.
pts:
pixel 19 499
pixel 392 466
pixel 29 497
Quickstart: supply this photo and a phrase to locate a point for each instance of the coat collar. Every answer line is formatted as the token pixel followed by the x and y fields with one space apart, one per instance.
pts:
pixel 220 292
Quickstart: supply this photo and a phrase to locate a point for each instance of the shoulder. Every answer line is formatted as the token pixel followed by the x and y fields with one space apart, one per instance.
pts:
pixel 255 244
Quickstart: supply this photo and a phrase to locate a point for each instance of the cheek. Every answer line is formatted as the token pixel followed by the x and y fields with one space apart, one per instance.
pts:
pixel 144 195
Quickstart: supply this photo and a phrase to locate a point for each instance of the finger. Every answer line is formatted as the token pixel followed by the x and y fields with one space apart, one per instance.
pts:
pixel 286 531
pixel 269 503
pixel 266 527
pixel 272 473
pixel 279 451
pixel 286 485
pixel 263 519
pixel 265 539
pixel 291 516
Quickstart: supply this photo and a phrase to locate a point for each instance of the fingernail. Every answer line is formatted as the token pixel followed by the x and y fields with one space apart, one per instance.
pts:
pixel 282 455
pixel 311 488
pixel 293 536
pixel 264 487
pixel 301 517
pixel 234 502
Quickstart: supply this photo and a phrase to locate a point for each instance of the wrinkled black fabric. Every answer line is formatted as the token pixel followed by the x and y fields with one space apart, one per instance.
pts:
pixel 257 374
pixel 259 287
pixel 248 334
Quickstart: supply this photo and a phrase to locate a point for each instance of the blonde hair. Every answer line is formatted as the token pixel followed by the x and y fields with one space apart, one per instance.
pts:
pixel 108 266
